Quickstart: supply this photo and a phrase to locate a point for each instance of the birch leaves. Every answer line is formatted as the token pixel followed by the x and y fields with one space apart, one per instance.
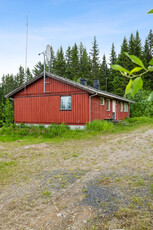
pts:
pixel 135 75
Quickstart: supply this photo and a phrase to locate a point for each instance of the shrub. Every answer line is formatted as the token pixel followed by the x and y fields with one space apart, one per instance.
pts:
pixel 141 107
pixel 98 125
pixel 136 120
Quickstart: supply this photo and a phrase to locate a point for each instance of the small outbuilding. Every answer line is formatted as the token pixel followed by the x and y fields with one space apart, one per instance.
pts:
pixel 54 99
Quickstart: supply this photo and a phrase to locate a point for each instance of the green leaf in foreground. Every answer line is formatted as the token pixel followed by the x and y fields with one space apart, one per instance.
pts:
pixel 150 68
pixel 150 12
pixel 120 68
pixel 150 98
pixel 136 85
pixel 151 62
pixel 135 59
pixel 128 87
pixel 136 69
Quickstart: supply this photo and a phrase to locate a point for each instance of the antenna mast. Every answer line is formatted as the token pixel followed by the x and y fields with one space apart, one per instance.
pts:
pixel 47 55
pixel 26 46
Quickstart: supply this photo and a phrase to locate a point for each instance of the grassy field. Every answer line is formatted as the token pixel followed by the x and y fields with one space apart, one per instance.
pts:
pixel 100 178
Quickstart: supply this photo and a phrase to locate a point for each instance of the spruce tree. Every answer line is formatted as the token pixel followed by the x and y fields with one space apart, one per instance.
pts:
pixel 75 62
pixel 39 68
pixel 50 63
pixel 95 59
pixel 28 75
pixel 20 77
pixel 68 58
pixel 1 105
pixel 85 67
pixel 112 73
pixel 150 42
pixel 120 82
pixel 131 49
pixel 104 75
pixel 147 56
pixel 131 44
pixel 138 46
pixel 59 64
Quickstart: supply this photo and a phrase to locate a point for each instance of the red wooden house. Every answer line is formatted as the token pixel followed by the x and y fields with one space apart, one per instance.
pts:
pixel 55 99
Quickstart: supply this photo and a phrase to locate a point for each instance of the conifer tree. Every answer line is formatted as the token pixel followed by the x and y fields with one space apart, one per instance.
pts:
pixel 20 77
pixel 150 42
pixel 147 56
pixel 50 63
pixel 59 64
pixel 1 105
pixel 68 58
pixel 84 65
pixel 95 59
pixel 113 73
pixel 75 62
pixel 138 46
pixel 131 44
pixel 120 82
pixel 8 83
pixel 39 68
pixel 28 75
pixel 104 75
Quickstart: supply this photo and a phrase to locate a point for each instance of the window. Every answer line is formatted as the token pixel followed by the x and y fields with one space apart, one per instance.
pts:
pixel 125 107
pixel 101 101
pixel 121 106
pixel 108 104
pixel 65 103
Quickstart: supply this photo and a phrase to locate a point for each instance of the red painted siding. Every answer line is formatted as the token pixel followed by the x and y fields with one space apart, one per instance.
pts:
pixel 121 115
pixel 53 87
pixel 33 106
pixel 99 112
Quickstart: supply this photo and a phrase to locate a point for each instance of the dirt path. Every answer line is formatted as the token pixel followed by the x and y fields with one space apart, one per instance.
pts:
pixel 103 183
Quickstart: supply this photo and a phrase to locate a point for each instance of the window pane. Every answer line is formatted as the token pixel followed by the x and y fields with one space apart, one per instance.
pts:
pixel 66 103
pixel 121 106
pixel 108 105
pixel 125 107
pixel 101 101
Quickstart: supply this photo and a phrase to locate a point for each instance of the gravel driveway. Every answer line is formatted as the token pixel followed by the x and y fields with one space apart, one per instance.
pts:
pixel 101 183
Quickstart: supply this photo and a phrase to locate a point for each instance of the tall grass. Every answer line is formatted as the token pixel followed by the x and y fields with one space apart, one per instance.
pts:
pixel 62 131
pixel 98 125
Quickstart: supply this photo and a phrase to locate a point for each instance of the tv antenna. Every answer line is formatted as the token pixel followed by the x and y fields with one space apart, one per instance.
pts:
pixel 47 55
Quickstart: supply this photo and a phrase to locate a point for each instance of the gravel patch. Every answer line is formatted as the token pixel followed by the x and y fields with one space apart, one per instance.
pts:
pixel 109 192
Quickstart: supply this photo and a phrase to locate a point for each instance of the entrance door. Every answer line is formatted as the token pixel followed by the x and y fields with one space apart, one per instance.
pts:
pixel 114 109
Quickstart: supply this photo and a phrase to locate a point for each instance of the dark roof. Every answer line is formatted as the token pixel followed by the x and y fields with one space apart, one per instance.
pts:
pixel 89 89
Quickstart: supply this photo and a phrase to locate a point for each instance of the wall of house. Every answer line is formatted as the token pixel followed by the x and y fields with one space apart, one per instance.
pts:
pixel 121 115
pixel 33 106
pixel 99 112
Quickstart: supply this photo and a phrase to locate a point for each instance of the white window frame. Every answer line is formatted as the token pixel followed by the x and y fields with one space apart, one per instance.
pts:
pixel 121 106
pixel 125 107
pixel 65 109
pixel 101 98
pixel 108 101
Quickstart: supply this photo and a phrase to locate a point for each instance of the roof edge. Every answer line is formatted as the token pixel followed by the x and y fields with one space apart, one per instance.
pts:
pixel 70 82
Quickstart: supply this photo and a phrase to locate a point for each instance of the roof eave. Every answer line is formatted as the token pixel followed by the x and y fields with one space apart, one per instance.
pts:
pixel 75 84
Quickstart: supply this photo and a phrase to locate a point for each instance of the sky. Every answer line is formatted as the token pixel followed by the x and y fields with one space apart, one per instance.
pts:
pixel 64 22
